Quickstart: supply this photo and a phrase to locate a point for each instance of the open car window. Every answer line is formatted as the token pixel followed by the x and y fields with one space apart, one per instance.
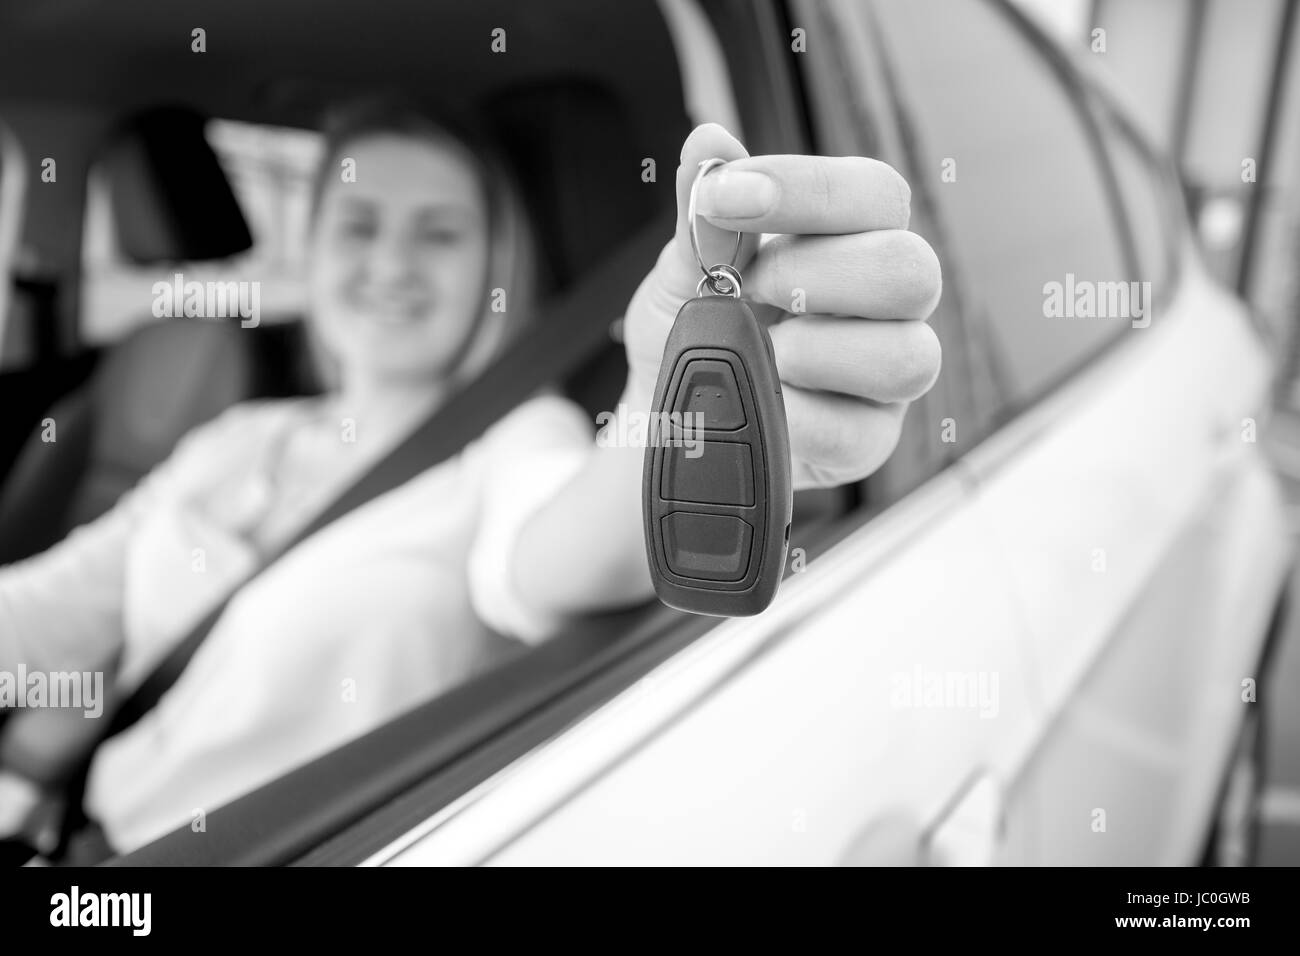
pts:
pixel 346 805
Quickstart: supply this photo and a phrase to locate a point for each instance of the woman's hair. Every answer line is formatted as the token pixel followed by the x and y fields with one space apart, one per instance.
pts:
pixel 511 252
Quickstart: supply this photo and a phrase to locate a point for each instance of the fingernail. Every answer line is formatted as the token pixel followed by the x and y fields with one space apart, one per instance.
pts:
pixel 736 194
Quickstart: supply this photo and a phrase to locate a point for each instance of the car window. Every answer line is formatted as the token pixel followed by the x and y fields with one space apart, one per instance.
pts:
pixel 1020 186
pixel 269 169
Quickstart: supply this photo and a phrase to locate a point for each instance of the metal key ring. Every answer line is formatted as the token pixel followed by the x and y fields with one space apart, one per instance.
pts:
pixel 721 279
pixel 730 279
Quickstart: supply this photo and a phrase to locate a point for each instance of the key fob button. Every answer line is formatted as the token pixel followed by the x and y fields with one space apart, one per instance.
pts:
pixel 709 472
pixel 709 547
pixel 709 389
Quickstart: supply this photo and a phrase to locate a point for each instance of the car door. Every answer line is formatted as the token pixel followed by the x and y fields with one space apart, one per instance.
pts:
pixel 1122 488
pixel 873 715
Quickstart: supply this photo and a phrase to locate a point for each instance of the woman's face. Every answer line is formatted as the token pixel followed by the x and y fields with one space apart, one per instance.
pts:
pixel 399 258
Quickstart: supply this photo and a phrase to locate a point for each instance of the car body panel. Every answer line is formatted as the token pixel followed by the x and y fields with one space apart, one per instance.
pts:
pixel 1148 544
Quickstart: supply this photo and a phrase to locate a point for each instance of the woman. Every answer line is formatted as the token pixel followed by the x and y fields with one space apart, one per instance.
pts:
pixel 530 524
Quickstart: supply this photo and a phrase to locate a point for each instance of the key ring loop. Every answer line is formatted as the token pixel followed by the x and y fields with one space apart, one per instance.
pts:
pixel 726 281
pixel 721 279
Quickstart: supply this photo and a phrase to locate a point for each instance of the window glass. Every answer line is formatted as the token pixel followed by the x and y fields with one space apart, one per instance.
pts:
pixel 1019 187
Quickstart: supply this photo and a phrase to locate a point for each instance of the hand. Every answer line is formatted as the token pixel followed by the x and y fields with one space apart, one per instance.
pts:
pixel 860 351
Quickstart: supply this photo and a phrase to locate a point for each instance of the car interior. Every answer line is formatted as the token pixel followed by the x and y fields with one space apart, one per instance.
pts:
pixel 576 117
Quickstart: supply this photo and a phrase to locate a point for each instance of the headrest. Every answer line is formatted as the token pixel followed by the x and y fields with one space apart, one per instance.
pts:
pixel 572 144
pixel 171 200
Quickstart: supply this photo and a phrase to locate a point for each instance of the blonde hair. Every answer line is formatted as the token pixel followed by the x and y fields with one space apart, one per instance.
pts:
pixel 512 263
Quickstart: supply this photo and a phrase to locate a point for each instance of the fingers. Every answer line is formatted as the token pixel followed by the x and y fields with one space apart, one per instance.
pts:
pixel 835 439
pixel 843 223
pixel 841 257
pixel 881 361
pixel 805 195
pixel 890 274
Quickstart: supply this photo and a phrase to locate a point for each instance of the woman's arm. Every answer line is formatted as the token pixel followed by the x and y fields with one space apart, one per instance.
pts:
pixel 584 550
pixel 61 610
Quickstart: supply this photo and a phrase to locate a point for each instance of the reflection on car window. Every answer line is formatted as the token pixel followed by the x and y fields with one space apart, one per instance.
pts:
pixel 1021 191
pixel 270 170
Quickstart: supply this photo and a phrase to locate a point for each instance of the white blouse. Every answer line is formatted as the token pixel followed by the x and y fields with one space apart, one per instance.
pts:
pixel 376 613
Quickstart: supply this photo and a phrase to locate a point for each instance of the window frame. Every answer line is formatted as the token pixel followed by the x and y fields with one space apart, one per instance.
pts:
pixel 14 172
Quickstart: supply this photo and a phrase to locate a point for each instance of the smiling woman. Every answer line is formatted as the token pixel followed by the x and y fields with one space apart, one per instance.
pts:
pixel 401 233
pixel 395 603
pixel 382 612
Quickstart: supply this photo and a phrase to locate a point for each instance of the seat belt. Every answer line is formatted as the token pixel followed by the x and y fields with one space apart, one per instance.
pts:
pixel 566 332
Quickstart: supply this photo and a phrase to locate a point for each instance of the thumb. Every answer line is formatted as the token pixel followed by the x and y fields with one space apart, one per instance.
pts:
pixel 681 271
pixel 676 273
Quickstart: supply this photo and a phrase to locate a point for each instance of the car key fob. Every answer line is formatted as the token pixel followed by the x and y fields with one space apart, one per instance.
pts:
pixel 716 488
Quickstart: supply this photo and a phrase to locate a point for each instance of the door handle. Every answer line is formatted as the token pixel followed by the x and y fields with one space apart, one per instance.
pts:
pixel 970 829
pixel 968 832
pixel 891 839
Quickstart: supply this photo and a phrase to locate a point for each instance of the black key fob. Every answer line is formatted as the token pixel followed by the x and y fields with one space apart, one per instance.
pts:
pixel 716 490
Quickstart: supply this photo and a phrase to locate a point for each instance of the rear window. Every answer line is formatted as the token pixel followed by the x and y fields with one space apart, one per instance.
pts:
pixel 270 170
pixel 1025 197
